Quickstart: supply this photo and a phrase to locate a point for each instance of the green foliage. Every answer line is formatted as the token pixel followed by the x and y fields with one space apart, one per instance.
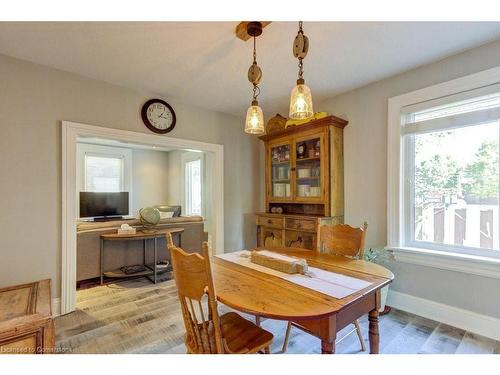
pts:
pixel 373 254
pixel 437 175
pixel 481 176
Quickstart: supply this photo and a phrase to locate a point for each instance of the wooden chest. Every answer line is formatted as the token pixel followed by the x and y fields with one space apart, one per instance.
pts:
pixel 26 325
pixel 284 230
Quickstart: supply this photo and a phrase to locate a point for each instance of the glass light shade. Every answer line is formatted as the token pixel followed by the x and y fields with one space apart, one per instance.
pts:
pixel 254 123
pixel 301 105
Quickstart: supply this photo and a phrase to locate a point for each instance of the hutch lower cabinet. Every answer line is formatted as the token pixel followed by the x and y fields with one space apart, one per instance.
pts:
pixel 290 230
pixel 304 183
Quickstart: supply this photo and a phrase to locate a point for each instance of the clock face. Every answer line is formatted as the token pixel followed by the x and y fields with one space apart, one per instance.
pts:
pixel 158 116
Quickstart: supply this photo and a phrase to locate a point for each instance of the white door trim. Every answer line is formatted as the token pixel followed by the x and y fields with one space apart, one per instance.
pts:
pixel 70 132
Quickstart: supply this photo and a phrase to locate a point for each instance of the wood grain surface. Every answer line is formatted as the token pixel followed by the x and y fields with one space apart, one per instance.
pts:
pixel 135 316
pixel 268 296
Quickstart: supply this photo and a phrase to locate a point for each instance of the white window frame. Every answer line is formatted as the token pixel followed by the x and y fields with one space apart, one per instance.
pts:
pixel 125 154
pixel 103 156
pixel 484 263
pixel 186 158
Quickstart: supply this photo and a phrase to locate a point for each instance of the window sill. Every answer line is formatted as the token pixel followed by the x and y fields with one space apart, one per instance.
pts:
pixel 475 265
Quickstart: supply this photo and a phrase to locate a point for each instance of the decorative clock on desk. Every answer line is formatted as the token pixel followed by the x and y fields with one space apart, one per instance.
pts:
pixel 158 116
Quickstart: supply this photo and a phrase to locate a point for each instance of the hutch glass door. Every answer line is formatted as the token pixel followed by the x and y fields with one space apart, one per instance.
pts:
pixel 308 168
pixel 281 172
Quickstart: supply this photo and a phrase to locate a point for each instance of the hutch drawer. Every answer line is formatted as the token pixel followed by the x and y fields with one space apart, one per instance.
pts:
pixel 300 224
pixel 272 222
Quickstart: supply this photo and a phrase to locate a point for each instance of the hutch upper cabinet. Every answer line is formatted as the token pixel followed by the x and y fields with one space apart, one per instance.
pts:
pixel 304 182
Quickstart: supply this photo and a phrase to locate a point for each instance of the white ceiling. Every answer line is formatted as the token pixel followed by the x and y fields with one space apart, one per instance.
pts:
pixel 204 64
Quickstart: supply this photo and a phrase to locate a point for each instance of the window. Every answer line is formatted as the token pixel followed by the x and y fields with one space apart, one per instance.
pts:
pixel 104 173
pixel 451 175
pixel 193 187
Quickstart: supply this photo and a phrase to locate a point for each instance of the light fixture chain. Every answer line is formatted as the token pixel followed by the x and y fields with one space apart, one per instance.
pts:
pixel 256 91
pixel 254 51
pixel 301 68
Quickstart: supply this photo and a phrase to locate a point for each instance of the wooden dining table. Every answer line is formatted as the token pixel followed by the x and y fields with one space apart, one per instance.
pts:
pixel 268 296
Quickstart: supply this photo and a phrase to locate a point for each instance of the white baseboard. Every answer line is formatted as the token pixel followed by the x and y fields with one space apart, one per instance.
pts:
pixel 465 319
pixel 56 307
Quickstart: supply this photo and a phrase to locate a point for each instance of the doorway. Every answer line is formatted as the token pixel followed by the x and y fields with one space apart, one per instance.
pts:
pixel 73 133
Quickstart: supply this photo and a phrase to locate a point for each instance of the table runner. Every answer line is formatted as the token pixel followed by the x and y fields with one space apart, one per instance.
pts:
pixel 330 283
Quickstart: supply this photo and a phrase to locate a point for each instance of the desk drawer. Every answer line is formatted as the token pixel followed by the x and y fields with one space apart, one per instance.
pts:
pixel 300 224
pixel 271 222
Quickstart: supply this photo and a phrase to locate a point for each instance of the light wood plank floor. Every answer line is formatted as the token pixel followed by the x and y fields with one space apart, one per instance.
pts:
pixel 137 316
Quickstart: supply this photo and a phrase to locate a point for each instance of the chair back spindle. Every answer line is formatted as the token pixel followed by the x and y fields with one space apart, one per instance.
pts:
pixel 193 276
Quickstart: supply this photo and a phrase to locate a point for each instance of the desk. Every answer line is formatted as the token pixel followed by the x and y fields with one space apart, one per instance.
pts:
pixel 268 296
pixel 138 236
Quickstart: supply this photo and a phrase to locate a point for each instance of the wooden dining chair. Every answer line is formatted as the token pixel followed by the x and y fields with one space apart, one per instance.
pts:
pixel 344 240
pixel 206 331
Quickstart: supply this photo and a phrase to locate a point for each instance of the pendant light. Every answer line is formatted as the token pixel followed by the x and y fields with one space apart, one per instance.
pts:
pixel 254 123
pixel 301 106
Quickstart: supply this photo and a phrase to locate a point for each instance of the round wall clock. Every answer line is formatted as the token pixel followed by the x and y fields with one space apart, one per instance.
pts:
pixel 158 116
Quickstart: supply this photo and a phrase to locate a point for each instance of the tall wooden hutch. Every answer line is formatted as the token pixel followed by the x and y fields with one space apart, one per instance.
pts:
pixel 304 183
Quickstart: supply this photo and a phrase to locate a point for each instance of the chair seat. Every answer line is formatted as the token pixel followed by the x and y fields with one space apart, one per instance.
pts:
pixel 242 335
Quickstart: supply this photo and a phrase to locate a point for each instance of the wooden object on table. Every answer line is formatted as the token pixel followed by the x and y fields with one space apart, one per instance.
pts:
pixel 282 265
pixel 343 240
pixel 206 331
pixel 26 325
pixel 284 230
pixel 138 236
pixel 312 181
pixel 264 295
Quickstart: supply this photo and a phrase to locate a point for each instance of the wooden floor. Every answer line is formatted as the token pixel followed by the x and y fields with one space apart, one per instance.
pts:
pixel 137 316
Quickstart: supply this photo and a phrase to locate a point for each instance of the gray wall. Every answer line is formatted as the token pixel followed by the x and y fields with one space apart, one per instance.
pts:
pixel 149 178
pixel 177 184
pixel 33 101
pixel 365 155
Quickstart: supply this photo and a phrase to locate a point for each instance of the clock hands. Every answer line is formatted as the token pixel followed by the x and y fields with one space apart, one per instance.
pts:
pixel 161 115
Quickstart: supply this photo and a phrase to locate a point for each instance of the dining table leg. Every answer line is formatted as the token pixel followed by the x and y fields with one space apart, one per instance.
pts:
pixel 327 346
pixel 373 331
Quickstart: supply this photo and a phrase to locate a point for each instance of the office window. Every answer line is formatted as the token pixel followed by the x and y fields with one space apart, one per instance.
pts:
pixel 451 175
pixel 193 187
pixel 103 173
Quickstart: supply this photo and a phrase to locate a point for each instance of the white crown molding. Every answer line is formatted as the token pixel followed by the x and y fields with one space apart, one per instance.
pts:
pixel 475 265
pixel 465 319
